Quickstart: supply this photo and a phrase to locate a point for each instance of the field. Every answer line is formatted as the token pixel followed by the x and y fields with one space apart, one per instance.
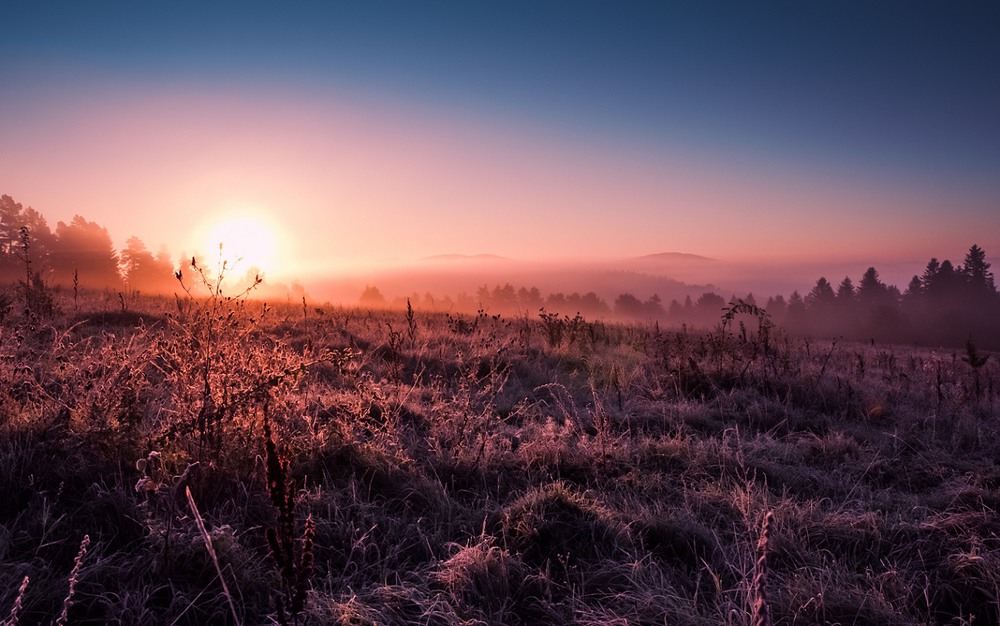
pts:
pixel 230 462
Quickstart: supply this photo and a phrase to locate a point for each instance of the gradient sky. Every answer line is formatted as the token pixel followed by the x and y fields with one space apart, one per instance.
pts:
pixel 369 132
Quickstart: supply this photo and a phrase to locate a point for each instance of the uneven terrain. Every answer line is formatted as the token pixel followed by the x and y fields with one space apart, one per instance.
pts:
pixel 231 462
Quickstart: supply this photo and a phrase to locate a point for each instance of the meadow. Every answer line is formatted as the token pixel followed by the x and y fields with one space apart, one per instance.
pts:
pixel 216 460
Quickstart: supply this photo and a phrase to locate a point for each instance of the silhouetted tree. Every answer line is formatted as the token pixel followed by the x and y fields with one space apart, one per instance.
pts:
pixel 13 216
pixel 821 304
pixel 845 292
pixel 592 304
pixel 504 298
pixel 953 304
pixel 42 238
pixel 688 313
pixel 85 248
pixel 483 296
pixel 711 303
pixel 10 224
pixel 654 307
pixel 822 296
pixel 776 307
pixel 589 304
pixel 946 286
pixel 913 297
pixel 573 302
pixel 556 302
pixel 144 272
pixel 930 273
pixel 978 277
pixel 627 305
pixel 879 308
pixel 708 308
pixel 871 289
pixel 796 316
pixel 372 298
pixel 429 302
pixel 530 299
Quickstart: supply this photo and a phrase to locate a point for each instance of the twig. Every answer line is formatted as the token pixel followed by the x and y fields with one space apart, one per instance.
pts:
pixel 211 552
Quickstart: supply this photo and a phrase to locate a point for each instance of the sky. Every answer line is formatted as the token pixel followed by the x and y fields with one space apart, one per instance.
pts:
pixel 377 132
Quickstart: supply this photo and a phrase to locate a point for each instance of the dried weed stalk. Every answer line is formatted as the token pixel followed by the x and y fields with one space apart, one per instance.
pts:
pixel 295 572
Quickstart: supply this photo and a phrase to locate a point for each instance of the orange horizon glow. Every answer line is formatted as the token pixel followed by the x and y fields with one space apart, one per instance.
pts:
pixel 354 184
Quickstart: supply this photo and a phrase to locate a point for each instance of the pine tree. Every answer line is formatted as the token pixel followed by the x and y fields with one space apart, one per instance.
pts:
pixel 977 273
pixel 945 285
pixel 144 272
pixel 914 294
pixel 627 305
pixel 930 274
pixel 822 296
pixel 776 307
pixel 85 248
pixel 795 316
pixel 845 292
pixel 871 289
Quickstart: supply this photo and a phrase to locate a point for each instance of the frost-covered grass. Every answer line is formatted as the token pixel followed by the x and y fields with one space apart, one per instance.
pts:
pixel 485 470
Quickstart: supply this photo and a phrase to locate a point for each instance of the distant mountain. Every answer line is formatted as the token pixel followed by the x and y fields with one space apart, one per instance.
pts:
pixel 465 257
pixel 683 266
pixel 672 257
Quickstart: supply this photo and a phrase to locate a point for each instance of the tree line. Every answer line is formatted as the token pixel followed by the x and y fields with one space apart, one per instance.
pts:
pixel 78 253
pixel 505 299
pixel 946 305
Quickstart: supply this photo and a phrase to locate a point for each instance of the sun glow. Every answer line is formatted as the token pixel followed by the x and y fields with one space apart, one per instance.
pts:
pixel 246 242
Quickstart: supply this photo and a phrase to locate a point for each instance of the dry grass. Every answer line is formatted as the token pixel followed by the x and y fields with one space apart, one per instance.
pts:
pixel 445 470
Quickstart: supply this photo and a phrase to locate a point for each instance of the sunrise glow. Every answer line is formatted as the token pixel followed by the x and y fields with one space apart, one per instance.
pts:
pixel 246 242
pixel 771 143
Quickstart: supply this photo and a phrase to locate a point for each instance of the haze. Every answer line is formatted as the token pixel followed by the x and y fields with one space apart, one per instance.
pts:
pixel 778 140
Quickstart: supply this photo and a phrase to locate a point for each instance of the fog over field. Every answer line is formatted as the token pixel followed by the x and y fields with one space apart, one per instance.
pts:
pixel 669 277
pixel 573 313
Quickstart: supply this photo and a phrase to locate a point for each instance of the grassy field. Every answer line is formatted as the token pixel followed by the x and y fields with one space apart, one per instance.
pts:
pixel 217 462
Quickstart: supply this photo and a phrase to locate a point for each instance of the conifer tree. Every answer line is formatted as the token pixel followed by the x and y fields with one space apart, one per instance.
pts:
pixel 977 273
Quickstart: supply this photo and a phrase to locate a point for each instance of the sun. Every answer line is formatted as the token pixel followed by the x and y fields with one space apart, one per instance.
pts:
pixel 247 242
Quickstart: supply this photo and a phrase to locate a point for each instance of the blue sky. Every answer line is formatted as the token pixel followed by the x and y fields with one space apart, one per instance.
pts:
pixel 900 98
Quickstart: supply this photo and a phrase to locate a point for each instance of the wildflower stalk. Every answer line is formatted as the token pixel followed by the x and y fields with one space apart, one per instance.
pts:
pixel 18 602
pixel 74 577
pixel 760 615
